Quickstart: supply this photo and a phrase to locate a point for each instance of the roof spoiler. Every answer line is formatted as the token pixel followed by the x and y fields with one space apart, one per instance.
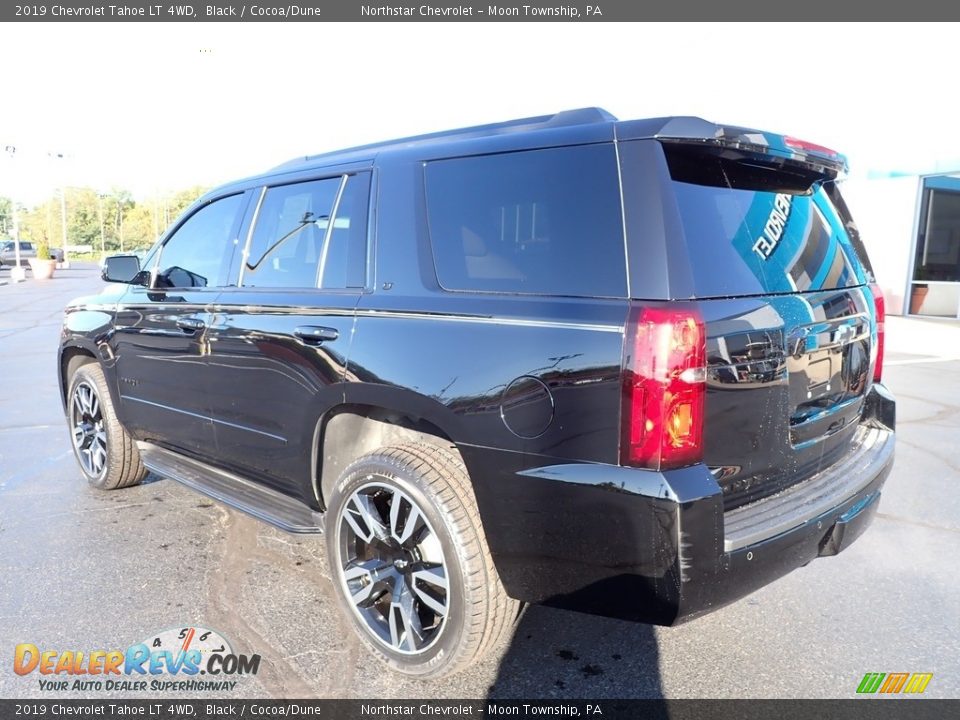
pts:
pixel 695 131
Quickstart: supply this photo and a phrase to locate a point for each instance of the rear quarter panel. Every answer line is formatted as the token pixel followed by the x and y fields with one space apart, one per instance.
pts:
pixel 451 358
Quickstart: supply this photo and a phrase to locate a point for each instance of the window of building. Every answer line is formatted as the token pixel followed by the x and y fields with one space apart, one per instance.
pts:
pixel 935 289
pixel 938 245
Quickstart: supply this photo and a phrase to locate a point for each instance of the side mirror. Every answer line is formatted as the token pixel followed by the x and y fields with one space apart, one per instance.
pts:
pixel 121 269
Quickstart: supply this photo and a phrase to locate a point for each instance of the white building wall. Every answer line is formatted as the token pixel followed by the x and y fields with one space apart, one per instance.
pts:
pixel 885 211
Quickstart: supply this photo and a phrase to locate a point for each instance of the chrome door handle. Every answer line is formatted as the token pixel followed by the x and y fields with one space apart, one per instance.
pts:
pixel 190 324
pixel 315 335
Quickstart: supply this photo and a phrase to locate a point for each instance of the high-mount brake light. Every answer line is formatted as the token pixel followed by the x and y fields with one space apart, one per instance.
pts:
pixel 664 386
pixel 797 144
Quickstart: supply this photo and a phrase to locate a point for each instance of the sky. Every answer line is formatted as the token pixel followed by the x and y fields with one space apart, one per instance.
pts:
pixel 159 107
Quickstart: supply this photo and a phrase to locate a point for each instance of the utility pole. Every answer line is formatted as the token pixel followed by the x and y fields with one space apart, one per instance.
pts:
pixel 63 207
pixel 63 219
pixel 17 273
pixel 103 243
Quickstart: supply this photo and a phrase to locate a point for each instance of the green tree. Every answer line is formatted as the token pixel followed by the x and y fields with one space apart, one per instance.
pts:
pixel 83 217
pixel 139 226
pixel 127 224
pixel 117 205
pixel 42 222
pixel 6 217
pixel 184 199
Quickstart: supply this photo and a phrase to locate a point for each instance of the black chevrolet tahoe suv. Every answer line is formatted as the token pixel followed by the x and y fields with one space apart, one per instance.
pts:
pixel 628 368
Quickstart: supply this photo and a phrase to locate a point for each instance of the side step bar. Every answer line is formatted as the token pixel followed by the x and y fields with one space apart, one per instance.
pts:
pixel 261 502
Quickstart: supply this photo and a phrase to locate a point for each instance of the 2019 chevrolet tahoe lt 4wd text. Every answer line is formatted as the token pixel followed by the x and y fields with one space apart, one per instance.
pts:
pixel 627 368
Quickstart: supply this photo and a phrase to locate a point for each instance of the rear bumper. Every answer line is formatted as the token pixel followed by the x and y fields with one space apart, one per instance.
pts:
pixel 658 547
pixel 820 517
pixel 868 458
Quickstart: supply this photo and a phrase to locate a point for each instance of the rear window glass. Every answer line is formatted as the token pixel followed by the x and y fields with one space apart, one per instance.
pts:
pixel 748 234
pixel 540 222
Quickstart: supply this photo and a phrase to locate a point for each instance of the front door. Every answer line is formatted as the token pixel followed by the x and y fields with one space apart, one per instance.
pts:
pixel 160 341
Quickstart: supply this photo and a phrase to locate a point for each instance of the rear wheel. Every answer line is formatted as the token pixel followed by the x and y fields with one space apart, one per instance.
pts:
pixel 410 562
pixel 107 454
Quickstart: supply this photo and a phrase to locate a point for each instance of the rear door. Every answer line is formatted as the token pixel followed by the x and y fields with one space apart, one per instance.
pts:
pixel 279 338
pixel 768 257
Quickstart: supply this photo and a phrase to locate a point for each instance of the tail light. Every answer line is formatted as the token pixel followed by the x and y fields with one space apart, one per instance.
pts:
pixel 663 388
pixel 880 309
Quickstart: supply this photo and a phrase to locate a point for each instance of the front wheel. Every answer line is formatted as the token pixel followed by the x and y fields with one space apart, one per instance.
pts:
pixel 410 562
pixel 107 454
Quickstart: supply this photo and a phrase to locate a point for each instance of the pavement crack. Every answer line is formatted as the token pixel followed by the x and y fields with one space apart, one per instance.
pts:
pixel 949 462
pixel 917 523
pixel 943 413
pixel 85 511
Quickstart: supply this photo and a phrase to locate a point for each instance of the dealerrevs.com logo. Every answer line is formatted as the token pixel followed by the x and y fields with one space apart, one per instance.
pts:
pixel 894 683
pixel 172 660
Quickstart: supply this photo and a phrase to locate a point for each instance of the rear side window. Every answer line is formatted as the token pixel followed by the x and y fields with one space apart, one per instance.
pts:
pixel 287 241
pixel 753 230
pixel 343 264
pixel 311 234
pixel 544 222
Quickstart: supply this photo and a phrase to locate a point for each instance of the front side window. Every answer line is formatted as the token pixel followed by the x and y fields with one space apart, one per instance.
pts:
pixel 540 222
pixel 198 253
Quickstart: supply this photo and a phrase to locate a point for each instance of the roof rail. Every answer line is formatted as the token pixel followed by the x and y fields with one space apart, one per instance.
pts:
pixel 564 118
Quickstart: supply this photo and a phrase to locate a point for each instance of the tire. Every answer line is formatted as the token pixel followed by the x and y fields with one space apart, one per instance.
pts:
pixel 107 455
pixel 417 582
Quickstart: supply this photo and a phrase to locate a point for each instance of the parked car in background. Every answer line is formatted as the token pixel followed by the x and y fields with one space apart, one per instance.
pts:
pixel 8 253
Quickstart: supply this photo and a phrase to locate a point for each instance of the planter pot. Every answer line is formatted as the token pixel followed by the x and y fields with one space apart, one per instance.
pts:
pixel 917 296
pixel 42 269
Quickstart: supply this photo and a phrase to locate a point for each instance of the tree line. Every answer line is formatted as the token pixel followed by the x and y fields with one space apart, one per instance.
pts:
pixel 106 221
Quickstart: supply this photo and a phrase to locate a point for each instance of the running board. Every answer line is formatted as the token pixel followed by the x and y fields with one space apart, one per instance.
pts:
pixel 261 502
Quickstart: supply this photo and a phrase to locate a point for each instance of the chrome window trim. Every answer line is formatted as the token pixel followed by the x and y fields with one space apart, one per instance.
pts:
pixel 329 234
pixel 245 253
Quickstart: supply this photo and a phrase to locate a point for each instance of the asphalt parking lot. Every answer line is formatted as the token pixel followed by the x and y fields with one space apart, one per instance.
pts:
pixel 82 569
